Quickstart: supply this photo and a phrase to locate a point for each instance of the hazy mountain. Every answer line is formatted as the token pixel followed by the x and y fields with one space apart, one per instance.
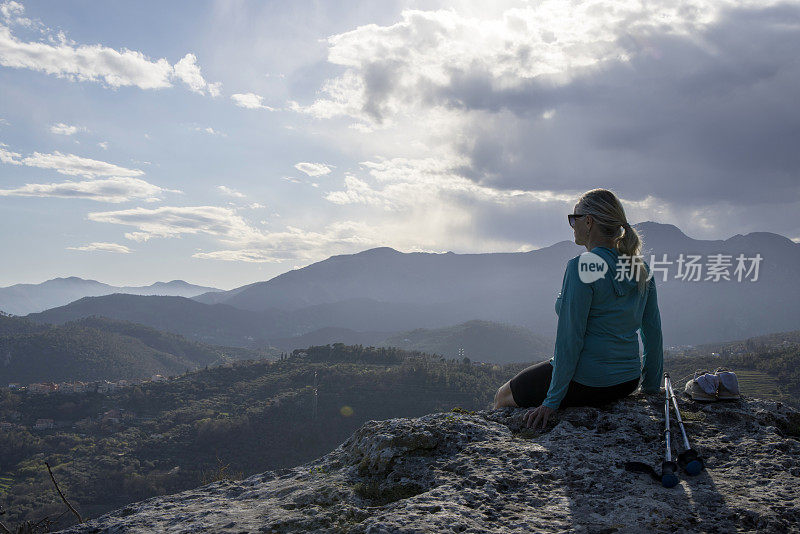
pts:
pixel 99 348
pixel 520 288
pixel 217 324
pixel 225 325
pixel 328 336
pixel 481 341
pixel 386 275
pixel 22 299
pixel 383 290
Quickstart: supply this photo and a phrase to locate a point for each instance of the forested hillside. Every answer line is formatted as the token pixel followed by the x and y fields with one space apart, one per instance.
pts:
pixel 99 349
pixel 111 449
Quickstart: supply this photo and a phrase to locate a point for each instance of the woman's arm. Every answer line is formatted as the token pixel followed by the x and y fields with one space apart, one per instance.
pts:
pixel 653 355
pixel 576 299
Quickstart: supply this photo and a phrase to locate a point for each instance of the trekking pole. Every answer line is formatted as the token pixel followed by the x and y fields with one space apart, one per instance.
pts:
pixel 668 467
pixel 689 459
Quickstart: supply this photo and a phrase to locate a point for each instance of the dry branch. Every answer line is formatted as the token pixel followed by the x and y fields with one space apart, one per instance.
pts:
pixel 62 495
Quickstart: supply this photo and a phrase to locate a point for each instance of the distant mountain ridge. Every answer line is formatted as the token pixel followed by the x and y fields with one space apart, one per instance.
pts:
pixel 518 288
pixel 383 290
pixel 387 275
pixel 22 299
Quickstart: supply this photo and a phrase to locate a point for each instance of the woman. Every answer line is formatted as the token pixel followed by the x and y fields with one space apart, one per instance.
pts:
pixel 596 358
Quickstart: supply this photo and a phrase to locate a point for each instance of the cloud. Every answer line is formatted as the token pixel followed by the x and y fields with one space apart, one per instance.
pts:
pixel 247 256
pixel 452 57
pixel 358 191
pixel 250 101
pixel 93 63
pixel 105 247
pixel 73 165
pixel 209 130
pixel 230 192
pixel 98 63
pixel 677 109
pixel 404 183
pixel 246 244
pixel 313 169
pixel 103 145
pixel 171 221
pixel 115 190
pixel 11 9
pixel 187 71
pixel 65 129
pixel 425 231
pixel 8 157
pixel 296 244
pixel 68 164
pixel 656 141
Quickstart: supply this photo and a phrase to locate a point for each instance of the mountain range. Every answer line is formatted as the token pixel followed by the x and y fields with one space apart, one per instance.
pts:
pixel 383 290
pixel 22 299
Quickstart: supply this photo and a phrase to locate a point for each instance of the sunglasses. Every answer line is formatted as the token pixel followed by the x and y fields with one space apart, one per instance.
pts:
pixel 571 218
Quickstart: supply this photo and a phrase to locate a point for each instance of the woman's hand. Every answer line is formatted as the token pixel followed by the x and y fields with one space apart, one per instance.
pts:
pixel 532 418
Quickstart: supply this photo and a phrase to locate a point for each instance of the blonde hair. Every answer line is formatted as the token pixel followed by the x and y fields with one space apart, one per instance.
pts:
pixel 607 211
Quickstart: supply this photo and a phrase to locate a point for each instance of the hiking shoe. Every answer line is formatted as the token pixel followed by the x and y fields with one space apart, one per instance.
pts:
pixel 728 384
pixel 703 387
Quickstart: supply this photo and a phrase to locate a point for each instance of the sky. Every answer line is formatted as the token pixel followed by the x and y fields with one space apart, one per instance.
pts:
pixel 226 142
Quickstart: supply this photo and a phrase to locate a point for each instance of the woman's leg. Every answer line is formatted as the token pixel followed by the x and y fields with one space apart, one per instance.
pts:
pixel 529 387
pixel 580 395
pixel 503 397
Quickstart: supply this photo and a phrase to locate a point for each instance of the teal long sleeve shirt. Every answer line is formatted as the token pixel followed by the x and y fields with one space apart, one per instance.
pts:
pixel 596 339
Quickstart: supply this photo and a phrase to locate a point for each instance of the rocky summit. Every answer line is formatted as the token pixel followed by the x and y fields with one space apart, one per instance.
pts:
pixel 484 472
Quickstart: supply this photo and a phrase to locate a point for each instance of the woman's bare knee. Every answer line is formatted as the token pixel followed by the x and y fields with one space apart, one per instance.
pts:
pixel 504 397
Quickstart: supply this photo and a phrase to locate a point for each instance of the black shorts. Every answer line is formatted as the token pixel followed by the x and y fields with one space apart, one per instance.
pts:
pixel 529 388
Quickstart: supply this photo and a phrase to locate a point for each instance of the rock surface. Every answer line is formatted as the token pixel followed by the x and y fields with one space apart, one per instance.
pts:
pixel 484 472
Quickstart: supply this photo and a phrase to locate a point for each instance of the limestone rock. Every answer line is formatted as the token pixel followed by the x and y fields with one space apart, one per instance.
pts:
pixel 483 472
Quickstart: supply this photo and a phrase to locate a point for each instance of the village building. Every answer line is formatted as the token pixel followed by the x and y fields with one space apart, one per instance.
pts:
pixel 65 387
pixel 42 388
pixel 43 424
pixel 113 416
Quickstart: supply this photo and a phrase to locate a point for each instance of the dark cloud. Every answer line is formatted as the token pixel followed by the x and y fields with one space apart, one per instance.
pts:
pixel 708 117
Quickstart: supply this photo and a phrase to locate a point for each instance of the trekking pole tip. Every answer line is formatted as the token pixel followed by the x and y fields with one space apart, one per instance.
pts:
pixel 691 462
pixel 694 467
pixel 669 480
